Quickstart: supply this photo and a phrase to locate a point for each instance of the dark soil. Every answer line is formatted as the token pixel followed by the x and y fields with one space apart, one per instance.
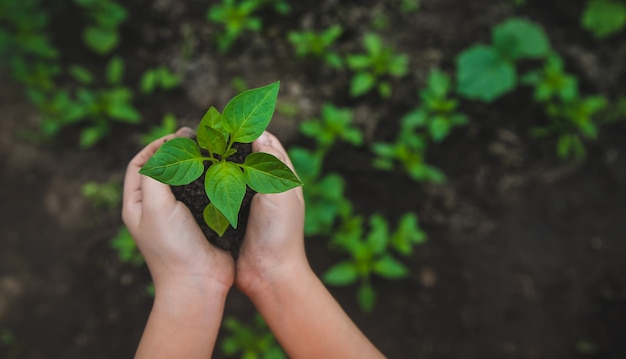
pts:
pixel 194 196
pixel 525 253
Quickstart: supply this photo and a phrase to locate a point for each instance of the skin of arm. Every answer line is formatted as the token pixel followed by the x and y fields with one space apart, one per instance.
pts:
pixel 273 271
pixel 191 277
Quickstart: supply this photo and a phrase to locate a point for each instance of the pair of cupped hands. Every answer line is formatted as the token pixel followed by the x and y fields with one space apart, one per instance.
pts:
pixel 179 255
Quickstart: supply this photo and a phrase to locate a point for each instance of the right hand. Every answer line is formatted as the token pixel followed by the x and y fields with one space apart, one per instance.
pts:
pixel 274 241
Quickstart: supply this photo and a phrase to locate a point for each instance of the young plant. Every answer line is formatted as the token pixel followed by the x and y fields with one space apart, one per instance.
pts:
pixel 409 150
pixel 101 106
pixel 181 161
pixel 374 67
pixel 105 17
pixel 24 33
pixel 572 122
pixel 318 45
pixel 94 107
pixel 336 123
pixel 368 256
pixel 437 113
pixel 158 78
pixel 571 117
pixel 604 18
pixel 251 342
pixel 551 83
pixel 237 16
pixel 486 73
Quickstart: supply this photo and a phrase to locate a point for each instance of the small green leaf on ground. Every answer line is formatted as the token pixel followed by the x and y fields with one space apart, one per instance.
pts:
pixel 484 75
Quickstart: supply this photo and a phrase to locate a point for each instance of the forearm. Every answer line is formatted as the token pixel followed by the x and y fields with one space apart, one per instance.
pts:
pixel 306 319
pixel 183 323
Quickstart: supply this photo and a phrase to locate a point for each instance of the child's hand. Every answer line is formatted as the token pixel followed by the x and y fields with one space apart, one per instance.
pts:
pixel 174 247
pixel 274 240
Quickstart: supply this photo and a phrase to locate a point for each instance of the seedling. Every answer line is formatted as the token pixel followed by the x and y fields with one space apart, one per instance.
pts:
pixel 158 78
pixel 335 124
pixel 105 16
pixel 237 16
pixel 369 256
pixel 551 83
pixel 24 33
pixel 488 72
pixel 319 45
pixel 604 18
pixel 251 342
pixel 437 112
pixel 572 122
pixel 374 67
pixel 181 161
pixel 409 150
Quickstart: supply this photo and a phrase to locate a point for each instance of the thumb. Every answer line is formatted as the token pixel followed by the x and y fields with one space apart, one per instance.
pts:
pixel 268 143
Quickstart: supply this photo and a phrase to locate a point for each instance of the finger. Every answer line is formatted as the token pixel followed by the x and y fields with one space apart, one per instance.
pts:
pixel 185 132
pixel 132 196
pixel 157 196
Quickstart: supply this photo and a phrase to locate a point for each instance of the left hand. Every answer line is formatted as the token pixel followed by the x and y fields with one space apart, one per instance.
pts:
pixel 173 245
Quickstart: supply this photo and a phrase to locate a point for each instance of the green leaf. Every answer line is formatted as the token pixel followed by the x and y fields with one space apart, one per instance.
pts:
pixel 366 297
pixel 211 140
pixel 115 70
pixel 81 74
pixel 215 219
pixel 267 174
pixel 342 273
pixel 518 38
pixel 484 75
pixel 148 82
pixel 438 83
pixel 225 186
pixel 407 234
pixel 212 118
pixel 379 234
pixel 604 17
pixel 361 83
pixel 439 128
pixel 389 268
pixel 247 115
pixel 177 162
pixel 124 112
pixel 90 136
pixel 99 39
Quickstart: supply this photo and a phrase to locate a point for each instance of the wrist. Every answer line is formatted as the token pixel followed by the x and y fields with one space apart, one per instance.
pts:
pixel 189 287
pixel 271 281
